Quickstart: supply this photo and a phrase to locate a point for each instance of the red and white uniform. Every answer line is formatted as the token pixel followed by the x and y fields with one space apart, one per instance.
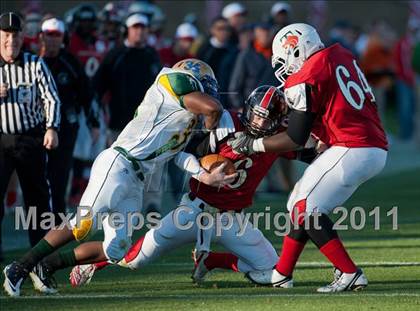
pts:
pixel 254 251
pixel 251 170
pixel 347 120
pixel 341 98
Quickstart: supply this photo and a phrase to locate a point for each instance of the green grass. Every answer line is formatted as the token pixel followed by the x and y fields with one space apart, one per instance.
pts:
pixel 165 285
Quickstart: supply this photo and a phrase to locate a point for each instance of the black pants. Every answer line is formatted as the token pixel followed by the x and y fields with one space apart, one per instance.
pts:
pixel 26 154
pixel 60 162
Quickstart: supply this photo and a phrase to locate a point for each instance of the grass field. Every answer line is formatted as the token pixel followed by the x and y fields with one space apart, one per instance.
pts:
pixel 390 259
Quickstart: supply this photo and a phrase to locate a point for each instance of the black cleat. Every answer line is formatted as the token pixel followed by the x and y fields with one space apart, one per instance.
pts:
pixel 14 276
pixel 43 279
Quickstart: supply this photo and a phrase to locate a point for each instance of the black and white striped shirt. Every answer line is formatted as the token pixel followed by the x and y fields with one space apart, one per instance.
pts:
pixel 32 96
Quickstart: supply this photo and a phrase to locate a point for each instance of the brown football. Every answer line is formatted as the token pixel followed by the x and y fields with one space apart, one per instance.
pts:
pixel 211 161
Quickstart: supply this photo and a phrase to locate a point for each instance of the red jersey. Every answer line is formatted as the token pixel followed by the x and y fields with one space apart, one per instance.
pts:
pixel 251 170
pixel 90 55
pixel 341 98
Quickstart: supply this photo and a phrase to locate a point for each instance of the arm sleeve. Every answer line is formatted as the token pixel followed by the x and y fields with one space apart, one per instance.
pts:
pixel 189 163
pixel 180 84
pixel 49 95
pixel 300 126
pixel 302 115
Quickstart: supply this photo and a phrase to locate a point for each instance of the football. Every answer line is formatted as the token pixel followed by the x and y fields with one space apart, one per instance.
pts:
pixel 211 161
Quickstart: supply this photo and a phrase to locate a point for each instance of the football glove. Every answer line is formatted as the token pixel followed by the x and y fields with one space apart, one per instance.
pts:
pixel 242 144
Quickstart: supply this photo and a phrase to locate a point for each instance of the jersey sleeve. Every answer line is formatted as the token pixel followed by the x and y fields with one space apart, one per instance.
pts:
pixel 299 97
pixel 179 84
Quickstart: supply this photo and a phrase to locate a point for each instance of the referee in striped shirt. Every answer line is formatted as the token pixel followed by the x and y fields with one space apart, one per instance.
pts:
pixel 29 119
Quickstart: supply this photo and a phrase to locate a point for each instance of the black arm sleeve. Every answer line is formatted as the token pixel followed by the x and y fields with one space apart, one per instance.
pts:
pixel 300 125
pixel 300 122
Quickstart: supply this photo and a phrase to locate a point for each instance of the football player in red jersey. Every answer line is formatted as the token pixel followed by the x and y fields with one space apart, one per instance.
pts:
pixel 250 250
pixel 328 96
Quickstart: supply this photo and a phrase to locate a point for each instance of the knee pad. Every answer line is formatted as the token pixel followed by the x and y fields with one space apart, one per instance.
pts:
pixel 298 212
pixel 84 229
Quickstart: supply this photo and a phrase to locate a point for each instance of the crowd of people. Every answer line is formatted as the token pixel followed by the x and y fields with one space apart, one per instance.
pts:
pixel 103 62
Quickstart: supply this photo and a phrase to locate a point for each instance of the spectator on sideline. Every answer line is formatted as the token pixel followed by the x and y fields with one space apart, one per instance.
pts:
pixel 71 81
pixel 416 67
pixel 235 13
pixel 406 80
pixel 280 15
pixel 181 48
pixel 377 61
pixel 220 54
pixel 126 73
pixel 109 30
pixel 246 36
pixel 252 67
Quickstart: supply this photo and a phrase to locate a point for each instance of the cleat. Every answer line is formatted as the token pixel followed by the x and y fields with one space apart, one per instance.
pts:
pixel 346 282
pixel 337 274
pixel 82 275
pixel 14 276
pixel 43 280
pixel 200 270
pixel 270 278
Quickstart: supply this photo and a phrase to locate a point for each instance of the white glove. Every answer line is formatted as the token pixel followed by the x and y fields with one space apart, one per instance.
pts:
pixel 217 178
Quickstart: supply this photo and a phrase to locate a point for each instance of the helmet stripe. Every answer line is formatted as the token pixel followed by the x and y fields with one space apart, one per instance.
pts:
pixel 267 97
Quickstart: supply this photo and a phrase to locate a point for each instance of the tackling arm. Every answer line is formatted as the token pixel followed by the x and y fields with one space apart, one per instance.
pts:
pixel 201 103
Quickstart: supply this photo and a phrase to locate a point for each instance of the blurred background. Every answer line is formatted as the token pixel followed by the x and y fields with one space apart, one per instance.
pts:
pixel 357 12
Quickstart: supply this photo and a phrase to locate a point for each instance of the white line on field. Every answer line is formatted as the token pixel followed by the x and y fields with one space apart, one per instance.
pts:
pixel 195 296
pixel 320 264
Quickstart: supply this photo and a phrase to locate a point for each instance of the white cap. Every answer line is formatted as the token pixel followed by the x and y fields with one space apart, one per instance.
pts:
pixel 53 25
pixel 137 18
pixel 233 9
pixel 186 30
pixel 280 6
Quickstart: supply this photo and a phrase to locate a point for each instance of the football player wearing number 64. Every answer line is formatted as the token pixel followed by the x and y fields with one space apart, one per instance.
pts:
pixel 328 96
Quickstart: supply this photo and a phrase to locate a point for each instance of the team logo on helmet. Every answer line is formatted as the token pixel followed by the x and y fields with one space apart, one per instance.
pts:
pixel 195 67
pixel 291 41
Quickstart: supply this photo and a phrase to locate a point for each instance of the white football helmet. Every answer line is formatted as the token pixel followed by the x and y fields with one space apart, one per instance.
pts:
pixel 292 45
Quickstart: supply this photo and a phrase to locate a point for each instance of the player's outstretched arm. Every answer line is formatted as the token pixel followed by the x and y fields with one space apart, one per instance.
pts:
pixel 201 103
pixel 296 136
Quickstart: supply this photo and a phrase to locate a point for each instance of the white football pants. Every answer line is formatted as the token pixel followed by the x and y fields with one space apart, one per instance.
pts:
pixel 334 176
pixel 180 228
pixel 113 188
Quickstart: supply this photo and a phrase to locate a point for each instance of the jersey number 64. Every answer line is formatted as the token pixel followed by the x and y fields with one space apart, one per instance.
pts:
pixel 347 85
